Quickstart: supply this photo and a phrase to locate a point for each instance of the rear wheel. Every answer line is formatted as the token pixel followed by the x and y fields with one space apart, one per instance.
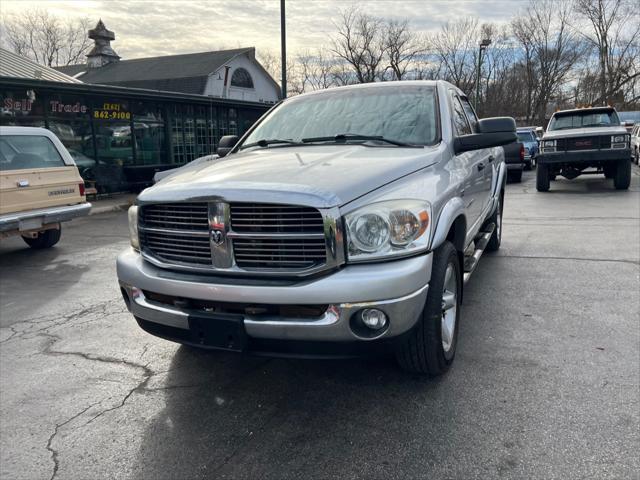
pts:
pixel 622 178
pixel 496 237
pixel 514 176
pixel 45 239
pixel 431 346
pixel 542 178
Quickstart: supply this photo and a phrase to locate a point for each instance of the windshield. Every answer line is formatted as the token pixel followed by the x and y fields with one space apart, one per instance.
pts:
pixel 406 114
pixel 587 118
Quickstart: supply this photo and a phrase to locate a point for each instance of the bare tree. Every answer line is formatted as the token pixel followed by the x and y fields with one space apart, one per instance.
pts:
pixel 614 32
pixel 549 50
pixel 272 62
pixel 402 47
pixel 360 42
pixel 317 70
pixel 45 38
pixel 456 46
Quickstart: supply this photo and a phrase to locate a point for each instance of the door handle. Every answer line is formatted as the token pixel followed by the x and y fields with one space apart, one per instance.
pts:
pixel 491 158
pixel 480 167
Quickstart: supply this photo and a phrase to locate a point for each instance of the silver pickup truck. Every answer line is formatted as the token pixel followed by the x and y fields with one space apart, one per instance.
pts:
pixel 345 222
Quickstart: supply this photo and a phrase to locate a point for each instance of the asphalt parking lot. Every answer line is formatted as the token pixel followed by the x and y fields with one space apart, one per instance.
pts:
pixel 546 383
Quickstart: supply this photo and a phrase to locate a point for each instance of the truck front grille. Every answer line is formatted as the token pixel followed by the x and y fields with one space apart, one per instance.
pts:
pixel 584 143
pixel 261 237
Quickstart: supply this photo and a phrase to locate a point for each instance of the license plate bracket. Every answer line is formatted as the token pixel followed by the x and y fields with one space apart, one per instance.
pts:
pixel 218 331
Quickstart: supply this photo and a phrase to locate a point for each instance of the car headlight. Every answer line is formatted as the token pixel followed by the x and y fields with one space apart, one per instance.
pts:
pixel 619 139
pixel 549 143
pixel 388 229
pixel 133 227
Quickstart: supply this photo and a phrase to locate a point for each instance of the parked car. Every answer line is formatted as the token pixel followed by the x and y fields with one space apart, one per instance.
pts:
pixel 514 157
pixel 528 138
pixel 581 139
pixel 328 229
pixel 40 186
pixel 635 144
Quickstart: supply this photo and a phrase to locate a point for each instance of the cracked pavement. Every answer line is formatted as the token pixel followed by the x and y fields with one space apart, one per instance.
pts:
pixel 546 383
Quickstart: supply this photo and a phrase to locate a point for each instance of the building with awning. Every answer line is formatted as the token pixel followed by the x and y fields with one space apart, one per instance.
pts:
pixel 124 120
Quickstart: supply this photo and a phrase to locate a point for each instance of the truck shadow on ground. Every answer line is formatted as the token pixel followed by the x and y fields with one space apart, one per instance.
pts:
pixel 250 417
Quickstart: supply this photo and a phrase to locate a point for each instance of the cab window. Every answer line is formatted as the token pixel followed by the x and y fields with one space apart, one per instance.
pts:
pixel 459 118
pixel 468 110
pixel 19 152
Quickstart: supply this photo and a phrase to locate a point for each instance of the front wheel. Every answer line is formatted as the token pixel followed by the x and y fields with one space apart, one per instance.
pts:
pixel 45 239
pixel 431 346
pixel 622 177
pixel 542 178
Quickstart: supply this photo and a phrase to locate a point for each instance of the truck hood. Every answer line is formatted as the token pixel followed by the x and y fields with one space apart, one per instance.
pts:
pixel 584 132
pixel 321 176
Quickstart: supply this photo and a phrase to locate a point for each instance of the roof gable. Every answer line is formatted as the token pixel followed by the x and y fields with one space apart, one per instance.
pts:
pixel 188 65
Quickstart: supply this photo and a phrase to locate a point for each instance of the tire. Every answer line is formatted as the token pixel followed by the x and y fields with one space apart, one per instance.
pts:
pixel 637 156
pixel 423 351
pixel 542 178
pixel 514 176
pixel 45 239
pixel 496 219
pixel 622 178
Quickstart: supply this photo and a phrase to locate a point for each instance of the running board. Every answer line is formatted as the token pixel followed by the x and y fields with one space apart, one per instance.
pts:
pixel 471 261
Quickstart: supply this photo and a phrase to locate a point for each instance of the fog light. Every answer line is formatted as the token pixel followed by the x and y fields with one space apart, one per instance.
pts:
pixel 373 318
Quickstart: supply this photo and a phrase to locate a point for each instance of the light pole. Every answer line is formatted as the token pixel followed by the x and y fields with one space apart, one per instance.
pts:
pixel 283 50
pixel 483 46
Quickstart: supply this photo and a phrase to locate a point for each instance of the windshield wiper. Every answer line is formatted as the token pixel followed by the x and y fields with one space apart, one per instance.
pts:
pixel 266 142
pixel 343 137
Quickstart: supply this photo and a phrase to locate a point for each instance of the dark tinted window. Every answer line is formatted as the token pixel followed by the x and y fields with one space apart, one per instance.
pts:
pixel 241 78
pixel 468 110
pixel 459 117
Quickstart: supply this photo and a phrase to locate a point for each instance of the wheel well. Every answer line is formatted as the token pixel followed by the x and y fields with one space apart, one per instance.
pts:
pixel 458 233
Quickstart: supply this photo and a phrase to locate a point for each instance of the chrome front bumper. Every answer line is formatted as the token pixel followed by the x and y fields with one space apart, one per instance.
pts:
pixel 399 288
pixel 34 219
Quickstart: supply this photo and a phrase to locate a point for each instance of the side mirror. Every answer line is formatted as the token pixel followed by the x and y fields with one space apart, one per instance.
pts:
pixel 493 132
pixel 226 144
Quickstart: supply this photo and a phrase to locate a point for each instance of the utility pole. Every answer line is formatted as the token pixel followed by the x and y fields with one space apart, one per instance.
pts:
pixel 483 46
pixel 283 49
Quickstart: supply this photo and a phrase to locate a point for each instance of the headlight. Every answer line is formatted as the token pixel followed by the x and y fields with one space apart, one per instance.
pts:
pixel 549 143
pixel 133 227
pixel 388 229
pixel 619 139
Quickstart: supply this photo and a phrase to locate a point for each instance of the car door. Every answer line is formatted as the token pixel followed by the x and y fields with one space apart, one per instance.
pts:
pixel 474 163
pixel 487 158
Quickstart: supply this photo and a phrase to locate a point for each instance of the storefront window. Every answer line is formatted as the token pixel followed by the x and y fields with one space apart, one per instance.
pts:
pixel 22 107
pixel 212 126
pixel 189 135
pixel 113 140
pixel 148 127
pixel 177 138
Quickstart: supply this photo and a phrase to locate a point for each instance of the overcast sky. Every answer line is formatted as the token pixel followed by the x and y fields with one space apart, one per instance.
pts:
pixel 146 28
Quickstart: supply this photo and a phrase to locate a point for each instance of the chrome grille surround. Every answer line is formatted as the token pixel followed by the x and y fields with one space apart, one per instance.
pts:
pixel 242 238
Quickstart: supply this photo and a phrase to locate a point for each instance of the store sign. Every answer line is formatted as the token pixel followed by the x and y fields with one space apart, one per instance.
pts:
pixel 112 111
pixel 22 105
pixel 60 107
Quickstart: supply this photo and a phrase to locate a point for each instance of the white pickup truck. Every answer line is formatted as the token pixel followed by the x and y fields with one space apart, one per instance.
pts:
pixel 345 221
pixel 585 141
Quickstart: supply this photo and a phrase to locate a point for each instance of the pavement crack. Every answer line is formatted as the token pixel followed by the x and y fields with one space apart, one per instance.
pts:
pixel 54 453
